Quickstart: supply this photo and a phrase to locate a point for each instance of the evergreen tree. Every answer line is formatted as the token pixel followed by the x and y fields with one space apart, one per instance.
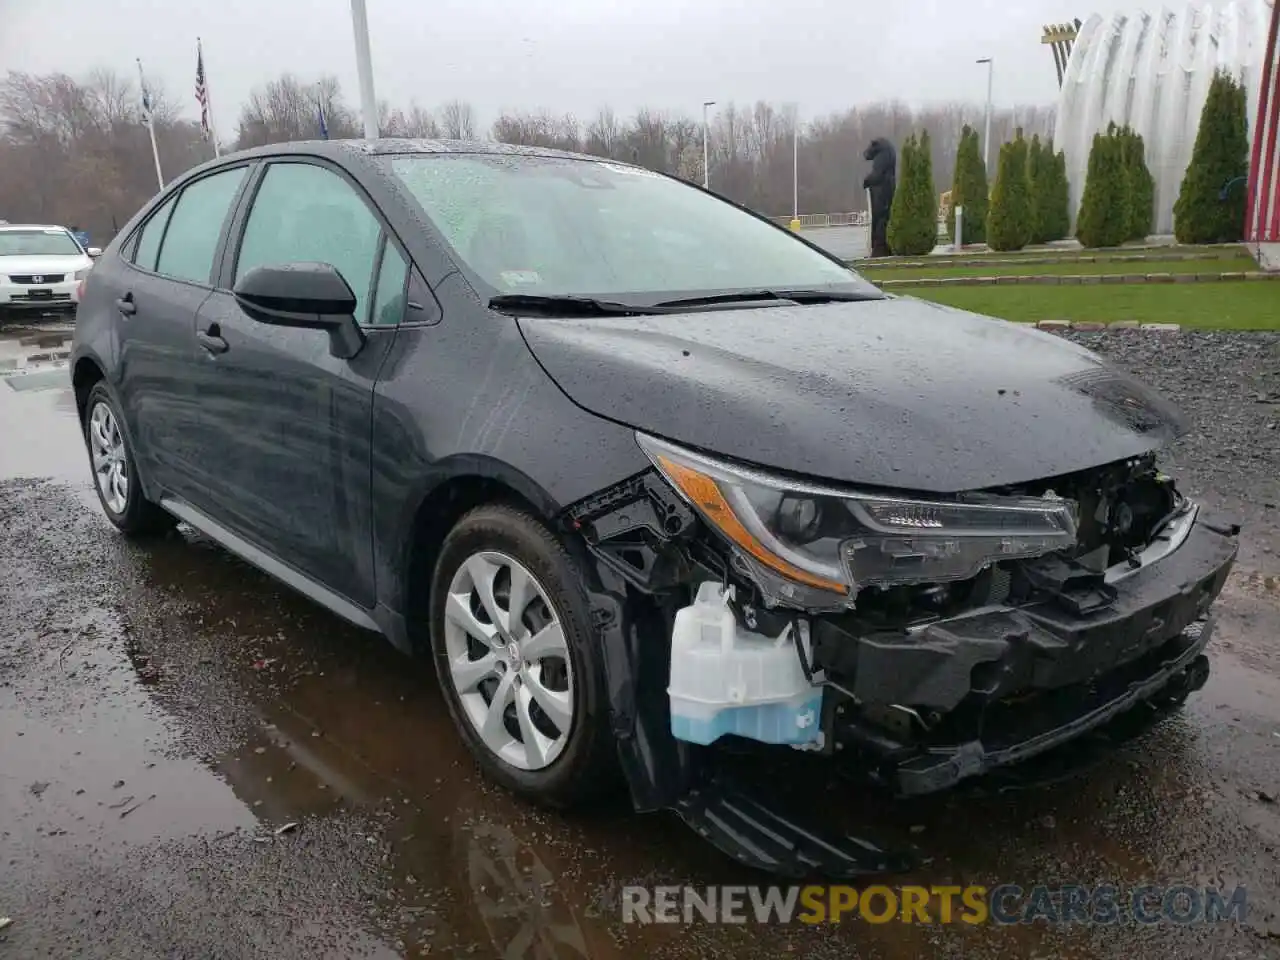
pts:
pixel 1009 219
pixel 1142 186
pixel 969 189
pixel 1103 220
pixel 1040 189
pixel 913 219
pixel 1058 206
pixel 1221 154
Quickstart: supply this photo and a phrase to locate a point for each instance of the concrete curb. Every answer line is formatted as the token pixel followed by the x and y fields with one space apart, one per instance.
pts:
pixel 1054 280
pixel 1095 326
pixel 890 264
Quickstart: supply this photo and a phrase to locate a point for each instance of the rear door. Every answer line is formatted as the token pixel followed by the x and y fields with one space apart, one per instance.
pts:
pixel 168 273
pixel 289 470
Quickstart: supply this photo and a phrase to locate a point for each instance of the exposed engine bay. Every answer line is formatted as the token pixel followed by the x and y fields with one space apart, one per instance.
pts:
pixel 915 642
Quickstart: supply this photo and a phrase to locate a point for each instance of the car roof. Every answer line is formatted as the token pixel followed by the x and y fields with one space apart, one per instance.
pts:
pixel 338 149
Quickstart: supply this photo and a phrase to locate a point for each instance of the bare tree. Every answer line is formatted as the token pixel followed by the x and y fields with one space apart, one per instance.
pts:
pixel 540 129
pixel 77 152
pixel 287 109
pixel 604 135
pixel 457 121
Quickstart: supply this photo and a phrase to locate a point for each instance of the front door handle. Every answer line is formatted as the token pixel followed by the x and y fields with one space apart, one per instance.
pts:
pixel 212 341
pixel 126 305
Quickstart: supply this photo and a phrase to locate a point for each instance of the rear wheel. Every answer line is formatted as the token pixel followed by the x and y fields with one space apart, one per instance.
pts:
pixel 115 473
pixel 514 650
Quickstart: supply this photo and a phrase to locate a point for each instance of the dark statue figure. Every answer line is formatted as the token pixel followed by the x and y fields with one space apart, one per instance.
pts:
pixel 881 181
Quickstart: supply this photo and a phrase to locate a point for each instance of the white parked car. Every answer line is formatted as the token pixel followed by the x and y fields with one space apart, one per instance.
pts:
pixel 41 268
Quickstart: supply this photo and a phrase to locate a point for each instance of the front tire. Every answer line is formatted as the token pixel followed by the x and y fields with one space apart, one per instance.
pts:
pixel 517 658
pixel 115 472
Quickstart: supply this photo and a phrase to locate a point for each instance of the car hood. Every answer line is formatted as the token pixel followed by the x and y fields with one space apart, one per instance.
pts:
pixel 897 392
pixel 42 265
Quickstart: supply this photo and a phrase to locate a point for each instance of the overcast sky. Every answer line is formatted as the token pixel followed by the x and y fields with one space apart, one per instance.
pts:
pixel 565 55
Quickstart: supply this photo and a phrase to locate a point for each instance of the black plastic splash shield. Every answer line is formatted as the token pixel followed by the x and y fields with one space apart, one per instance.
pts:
pixel 750 831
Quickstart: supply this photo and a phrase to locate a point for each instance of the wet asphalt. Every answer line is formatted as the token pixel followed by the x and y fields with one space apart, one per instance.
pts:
pixel 194 762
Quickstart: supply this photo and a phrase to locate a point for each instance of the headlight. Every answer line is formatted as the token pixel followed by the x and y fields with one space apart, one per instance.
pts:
pixel 816 547
pixel 81 274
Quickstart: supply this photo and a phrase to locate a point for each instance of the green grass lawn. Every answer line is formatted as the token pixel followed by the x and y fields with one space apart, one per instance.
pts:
pixel 1239 305
pixel 1031 268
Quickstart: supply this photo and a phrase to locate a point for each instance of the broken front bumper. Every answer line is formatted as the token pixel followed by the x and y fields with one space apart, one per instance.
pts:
pixel 999 685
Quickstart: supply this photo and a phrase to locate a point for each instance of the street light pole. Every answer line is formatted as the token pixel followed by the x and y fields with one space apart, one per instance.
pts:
pixel 364 69
pixel 986 132
pixel 706 164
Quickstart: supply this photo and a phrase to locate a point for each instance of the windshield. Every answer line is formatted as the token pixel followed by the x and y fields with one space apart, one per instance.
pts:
pixel 553 226
pixel 38 243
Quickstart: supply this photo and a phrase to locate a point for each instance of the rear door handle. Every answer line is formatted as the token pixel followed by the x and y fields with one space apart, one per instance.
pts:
pixel 212 341
pixel 126 305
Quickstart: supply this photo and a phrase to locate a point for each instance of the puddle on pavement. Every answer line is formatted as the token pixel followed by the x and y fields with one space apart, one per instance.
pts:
pixel 106 757
pixel 41 431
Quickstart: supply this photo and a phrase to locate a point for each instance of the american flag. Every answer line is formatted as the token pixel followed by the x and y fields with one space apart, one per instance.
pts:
pixel 202 92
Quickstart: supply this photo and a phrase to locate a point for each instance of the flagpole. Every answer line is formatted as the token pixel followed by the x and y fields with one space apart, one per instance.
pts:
pixel 150 121
pixel 213 129
pixel 324 121
pixel 364 69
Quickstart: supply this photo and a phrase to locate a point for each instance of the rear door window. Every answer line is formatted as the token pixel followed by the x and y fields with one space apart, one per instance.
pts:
pixel 149 239
pixel 196 225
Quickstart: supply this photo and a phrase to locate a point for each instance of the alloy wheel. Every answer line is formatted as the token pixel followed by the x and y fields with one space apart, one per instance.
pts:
pixel 110 461
pixel 509 660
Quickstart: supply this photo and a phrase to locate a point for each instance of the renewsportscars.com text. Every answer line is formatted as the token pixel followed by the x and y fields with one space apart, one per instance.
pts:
pixel 974 905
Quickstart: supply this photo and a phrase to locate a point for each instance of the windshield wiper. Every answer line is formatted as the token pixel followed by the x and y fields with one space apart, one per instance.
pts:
pixel 565 306
pixel 774 297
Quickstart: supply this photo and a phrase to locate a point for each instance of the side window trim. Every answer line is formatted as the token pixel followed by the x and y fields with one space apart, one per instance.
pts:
pixel 175 199
pixel 372 306
pixel 239 209
pixel 229 253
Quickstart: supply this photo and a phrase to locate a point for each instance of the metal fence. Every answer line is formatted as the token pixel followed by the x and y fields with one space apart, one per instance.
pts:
pixel 810 221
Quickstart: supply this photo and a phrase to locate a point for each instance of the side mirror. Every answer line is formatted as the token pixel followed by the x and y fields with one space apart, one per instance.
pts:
pixel 94 252
pixel 309 295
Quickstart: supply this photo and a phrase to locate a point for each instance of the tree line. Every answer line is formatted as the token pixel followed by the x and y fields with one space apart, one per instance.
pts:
pixel 75 151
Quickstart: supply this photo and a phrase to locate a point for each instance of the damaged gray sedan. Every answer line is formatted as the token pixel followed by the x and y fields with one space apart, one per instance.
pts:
pixel 646 475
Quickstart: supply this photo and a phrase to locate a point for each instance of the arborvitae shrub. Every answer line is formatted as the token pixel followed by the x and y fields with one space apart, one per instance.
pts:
pixel 1201 213
pixel 1009 219
pixel 913 218
pixel 969 189
pixel 1103 220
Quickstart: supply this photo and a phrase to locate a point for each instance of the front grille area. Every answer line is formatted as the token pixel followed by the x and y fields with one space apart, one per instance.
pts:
pixel 47 298
pixel 30 278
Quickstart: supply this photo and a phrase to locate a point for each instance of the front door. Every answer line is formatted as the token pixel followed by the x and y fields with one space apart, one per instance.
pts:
pixel 287 465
